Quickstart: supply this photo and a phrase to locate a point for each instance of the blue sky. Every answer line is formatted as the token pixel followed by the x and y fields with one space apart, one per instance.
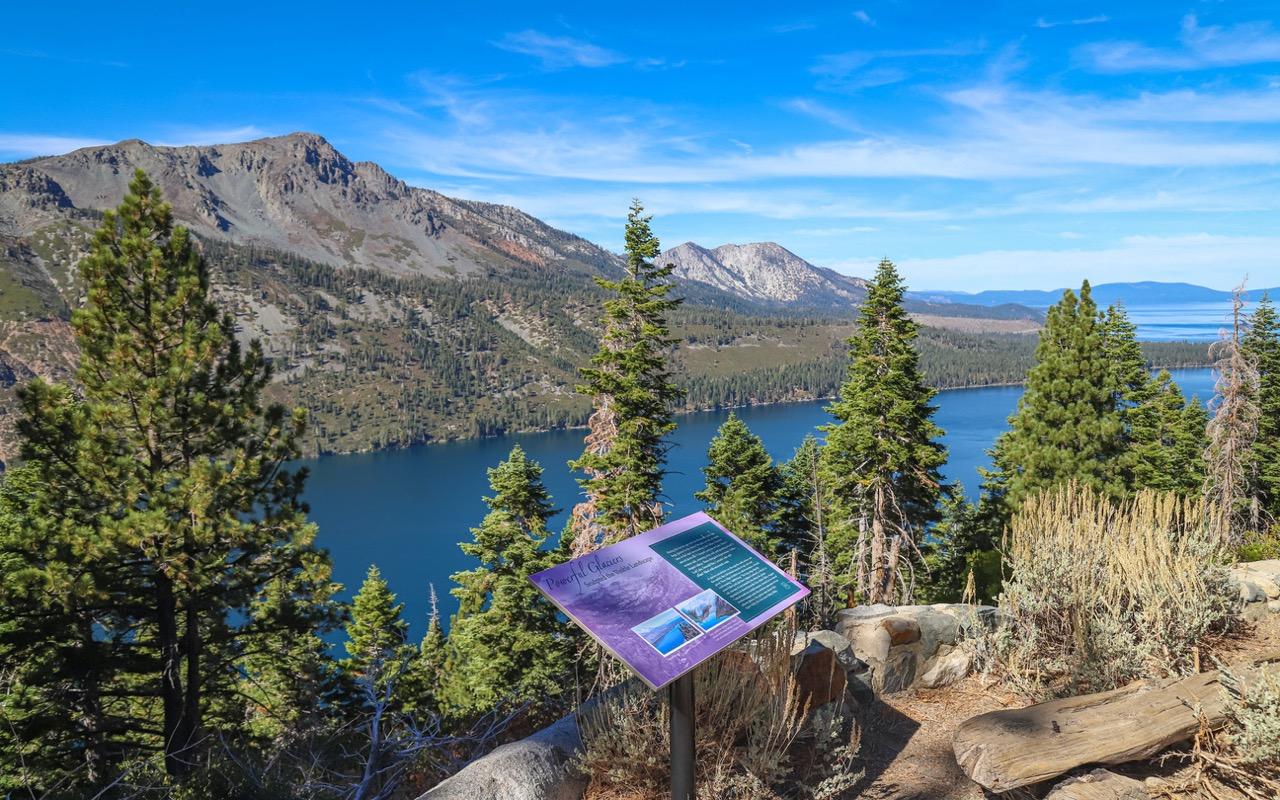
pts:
pixel 979 145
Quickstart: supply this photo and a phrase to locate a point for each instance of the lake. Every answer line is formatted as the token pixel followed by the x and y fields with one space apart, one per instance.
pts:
pixel 1189 322
pixel 406 510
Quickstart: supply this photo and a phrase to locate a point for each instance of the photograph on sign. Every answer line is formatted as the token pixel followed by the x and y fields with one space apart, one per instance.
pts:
pixel 668 599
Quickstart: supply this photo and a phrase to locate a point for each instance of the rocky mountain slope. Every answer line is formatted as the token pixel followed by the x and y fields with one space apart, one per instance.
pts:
pixel 395 314
pixel 297 194
pixel 765 272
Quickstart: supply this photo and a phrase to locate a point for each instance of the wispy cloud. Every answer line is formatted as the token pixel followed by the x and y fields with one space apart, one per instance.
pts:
pixel 863 17
pixel 65 59
pixel 26 145
pixel 183 136
pixel 865 69
pixel 559 52
pixel 1094 20
pixel 1202 48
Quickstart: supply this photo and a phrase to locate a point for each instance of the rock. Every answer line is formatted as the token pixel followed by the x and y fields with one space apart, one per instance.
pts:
pixel 1250 592
pixel 937 630
pixel 820 678
pixel 869 639
pixel 841 647
pixel 946 670
pixel 1100 784
pixel 898 672
pixel 1273 606
pixel 539 767
pixel 902 630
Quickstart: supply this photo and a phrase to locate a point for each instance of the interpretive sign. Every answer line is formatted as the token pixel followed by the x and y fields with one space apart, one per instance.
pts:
pixel 666 600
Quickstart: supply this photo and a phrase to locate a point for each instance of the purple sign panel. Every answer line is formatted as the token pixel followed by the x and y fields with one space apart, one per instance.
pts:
pixel 668 599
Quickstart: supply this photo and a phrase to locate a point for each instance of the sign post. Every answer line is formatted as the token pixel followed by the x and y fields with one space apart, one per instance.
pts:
pixel 666 600
pixel 680 698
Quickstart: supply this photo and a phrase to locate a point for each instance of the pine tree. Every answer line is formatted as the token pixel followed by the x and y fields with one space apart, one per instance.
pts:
pixel 802 513
pixel 422 686
pixel 376 632
pixel 1168 440
pixel 957 547
pixel 1262 345
pixel 742 484
pixel 168 507
pixel 1067 425
pixel 883 455
pixel 632 393
pixel 1130 379
pixel 506 644
pixel 291 687
pixel 802 495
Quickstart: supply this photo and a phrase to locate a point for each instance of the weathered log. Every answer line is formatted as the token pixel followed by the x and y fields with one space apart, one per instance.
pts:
pixel 1100 784
pixel 1002 750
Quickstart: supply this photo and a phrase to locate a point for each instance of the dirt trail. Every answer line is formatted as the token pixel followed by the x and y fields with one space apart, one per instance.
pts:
pixel 906 738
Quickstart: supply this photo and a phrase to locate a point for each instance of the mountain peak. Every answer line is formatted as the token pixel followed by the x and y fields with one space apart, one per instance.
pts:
pixel 297 193
pixel 765 272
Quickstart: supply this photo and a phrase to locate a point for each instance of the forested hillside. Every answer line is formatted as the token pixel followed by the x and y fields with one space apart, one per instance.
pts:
pixel 397 315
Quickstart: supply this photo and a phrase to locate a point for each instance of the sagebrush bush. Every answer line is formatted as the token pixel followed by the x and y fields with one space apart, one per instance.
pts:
pixel 1101 593
pixel 755 739
pixel 1253 714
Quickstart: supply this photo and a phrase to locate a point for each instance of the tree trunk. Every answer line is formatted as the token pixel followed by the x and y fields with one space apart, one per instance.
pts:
pixel 1003 750
pixel 876 593
pixel 170 676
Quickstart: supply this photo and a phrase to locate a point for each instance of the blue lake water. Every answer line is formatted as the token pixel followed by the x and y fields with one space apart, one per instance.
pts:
pixel 406 510
pixel 1192 322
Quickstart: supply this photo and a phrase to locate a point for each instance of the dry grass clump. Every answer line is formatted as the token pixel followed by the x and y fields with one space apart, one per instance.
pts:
pixel 1102 593
pixel 755 739
pixel 1240 759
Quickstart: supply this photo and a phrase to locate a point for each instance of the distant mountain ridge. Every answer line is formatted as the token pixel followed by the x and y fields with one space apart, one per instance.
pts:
pixel 764 272
pixel 395 314
pixel 1141 293
pixel 298 194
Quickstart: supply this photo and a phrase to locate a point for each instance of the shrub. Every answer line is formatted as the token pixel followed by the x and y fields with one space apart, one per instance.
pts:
pixel 1102 593
pixel 755 740
pixel 1260 546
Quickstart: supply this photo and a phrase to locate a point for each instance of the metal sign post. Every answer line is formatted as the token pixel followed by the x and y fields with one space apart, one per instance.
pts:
pixel 680 697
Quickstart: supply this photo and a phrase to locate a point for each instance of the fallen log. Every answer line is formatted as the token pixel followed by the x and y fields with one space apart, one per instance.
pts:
pixel 1002 750
pixel 1100 784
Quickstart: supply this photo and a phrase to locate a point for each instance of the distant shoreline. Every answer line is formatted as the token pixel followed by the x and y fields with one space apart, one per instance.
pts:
pixel 680 413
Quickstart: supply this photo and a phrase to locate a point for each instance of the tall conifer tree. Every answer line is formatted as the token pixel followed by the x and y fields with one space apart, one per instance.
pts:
pixel 1067 425
pixel 883 455
pixel 1168 440
pixel 376 632
pixel 166 484
pixel 742 484
pixel 506 644
pixel 632 392
pixel 1262 344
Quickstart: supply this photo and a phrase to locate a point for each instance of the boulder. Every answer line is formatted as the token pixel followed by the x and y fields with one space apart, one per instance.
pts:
pixel 902 630
pixel 1250 592
pixel 820 677
pixel 944 670
pixel 539 767
pixel 898 673
pixel 938 629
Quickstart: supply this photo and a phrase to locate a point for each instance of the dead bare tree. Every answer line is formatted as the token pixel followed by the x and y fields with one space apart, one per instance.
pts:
pixel 1230 467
